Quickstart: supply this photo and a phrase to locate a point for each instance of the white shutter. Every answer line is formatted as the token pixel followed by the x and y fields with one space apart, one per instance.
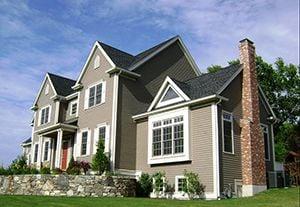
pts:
pixel 86 98
pixel 103 92
pixel 96 138
pixel 78 145
pixel 88 144
pixel 107 133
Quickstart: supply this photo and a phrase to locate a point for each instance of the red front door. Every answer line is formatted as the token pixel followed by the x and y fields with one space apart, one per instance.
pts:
pixel 64 157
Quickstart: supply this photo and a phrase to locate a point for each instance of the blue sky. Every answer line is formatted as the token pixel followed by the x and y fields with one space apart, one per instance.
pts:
pixel 56 36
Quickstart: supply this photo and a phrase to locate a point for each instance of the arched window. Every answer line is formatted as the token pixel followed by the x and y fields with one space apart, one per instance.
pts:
pixel 97 62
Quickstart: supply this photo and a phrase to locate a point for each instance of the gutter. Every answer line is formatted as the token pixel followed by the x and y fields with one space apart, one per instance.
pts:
pixel 206 99
pixel 123 71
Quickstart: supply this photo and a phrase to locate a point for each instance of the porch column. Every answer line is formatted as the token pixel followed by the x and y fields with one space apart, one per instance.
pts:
pixel 40 152
pixel 58 148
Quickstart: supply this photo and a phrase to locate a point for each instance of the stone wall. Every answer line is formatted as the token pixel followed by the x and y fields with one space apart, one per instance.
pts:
pixel 68 185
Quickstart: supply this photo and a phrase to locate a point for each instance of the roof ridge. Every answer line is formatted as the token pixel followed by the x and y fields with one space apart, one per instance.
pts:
pixel 60 76
pixel 115 48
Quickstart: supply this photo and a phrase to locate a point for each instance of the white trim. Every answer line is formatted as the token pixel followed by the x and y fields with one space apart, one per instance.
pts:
pixel 180 105
pixel 95 46
pixel 65 126
pixel 123 71
pixel 179 194
pixel 49 149
pixel 71 106
pixel 215 150
pixel 131 173
pixel 40 115
pixel 167 81
pixel 88 142
pixel 182 46
pixel 58 148
pixel 232 133
pixel 185 156
pixel 96 137
pixel 230 80
pixel 41 88
pixel 265 126
pixel 170 101
pixel 37 155
pixel 114 122
pixel 71 96
pixel 160 194
pixel 87 94
pixel 56 116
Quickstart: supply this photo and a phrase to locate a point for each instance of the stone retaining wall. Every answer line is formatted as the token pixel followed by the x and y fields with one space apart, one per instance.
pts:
pixel 68 185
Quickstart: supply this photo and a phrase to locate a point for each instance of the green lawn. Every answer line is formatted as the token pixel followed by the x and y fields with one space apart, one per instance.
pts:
pixel 275 197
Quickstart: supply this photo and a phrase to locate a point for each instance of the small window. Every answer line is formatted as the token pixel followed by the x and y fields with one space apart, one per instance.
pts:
pixel 47 89
pixel 97 62
pixel 84 143
pixel 45 115
pixel 46 150
pixel 266 141
pixel 180 183
pixel 161 187
pixel 73 109
pixel 170 94
pixel 228 142
pixel 36 150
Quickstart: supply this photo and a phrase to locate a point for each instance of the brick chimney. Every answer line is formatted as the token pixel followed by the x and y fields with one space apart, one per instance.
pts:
pixel 252 145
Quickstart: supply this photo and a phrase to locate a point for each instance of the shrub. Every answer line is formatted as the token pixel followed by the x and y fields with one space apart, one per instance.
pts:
pixel 158 181
pixel 144 185
pixel 193 187
pixel 3 171
pixel 18 166
pixel 73 167
pixel 100 161
pixel 57 171
pixel 45 170
pixel 85 166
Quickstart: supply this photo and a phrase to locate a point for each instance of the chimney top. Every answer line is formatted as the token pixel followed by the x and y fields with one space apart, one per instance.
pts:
pixel 246 40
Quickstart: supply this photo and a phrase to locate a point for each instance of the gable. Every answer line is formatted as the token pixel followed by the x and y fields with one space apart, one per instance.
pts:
pixel 97 60
pixel 169 93
pixel 46 91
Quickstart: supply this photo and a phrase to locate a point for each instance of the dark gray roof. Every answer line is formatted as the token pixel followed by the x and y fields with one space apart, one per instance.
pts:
pixel 208 83
pixel 127 61
pixel 62 85
pixel 27 141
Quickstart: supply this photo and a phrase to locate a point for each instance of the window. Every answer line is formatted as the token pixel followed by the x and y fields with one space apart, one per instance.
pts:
pixel 161 186
pixel 168 137
pixel 44 114
pixel 97 62
pixel 84 140
pixel 95 95
pixel 170 96
pixel 46 150
pixel 47 89
pixel 73 108
pixel 266 141
pixel 228 142
pixel 180 183
pixel 36 150
pixel 101 133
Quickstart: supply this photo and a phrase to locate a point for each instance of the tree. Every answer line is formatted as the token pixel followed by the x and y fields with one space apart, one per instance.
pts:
pixel 100 161
pixel 192 185
pixel 214 68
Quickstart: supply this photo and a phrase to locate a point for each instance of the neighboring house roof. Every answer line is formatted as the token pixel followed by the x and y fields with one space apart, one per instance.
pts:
pixel 62 85
pixel 207 84
pixel 27 141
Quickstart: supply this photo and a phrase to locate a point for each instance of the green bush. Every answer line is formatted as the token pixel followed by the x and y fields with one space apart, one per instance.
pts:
pixel 3 171
pixel 158 181
pixel 57 171
pixel 45 170
pixel 73 167
pixel 100 161
pixel 144 185
pixel 193 186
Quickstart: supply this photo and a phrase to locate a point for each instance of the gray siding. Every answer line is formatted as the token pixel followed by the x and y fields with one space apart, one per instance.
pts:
pixel 200 149
pixel 135 97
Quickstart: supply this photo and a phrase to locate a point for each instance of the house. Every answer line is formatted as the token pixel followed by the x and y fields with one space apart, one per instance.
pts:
pixel 155 112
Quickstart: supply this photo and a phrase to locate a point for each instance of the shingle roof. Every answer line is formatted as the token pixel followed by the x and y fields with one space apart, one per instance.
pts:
pixel 62 85
pixel 208 83
pixel 127 61
pixel 27 141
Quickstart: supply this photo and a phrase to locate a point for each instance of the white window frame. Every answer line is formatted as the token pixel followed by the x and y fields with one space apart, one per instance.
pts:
pixel 160 193
pixel 49 149
pixel 71 105
pixel 49 115
pixel 87 94
pixel 162 103
pixel 265 129
pixel 96 137
pixel 36 156
pixel 88 142
pixel 177 177
pixel 180 157
pixel 232 133
pixel 47 89
pixel 97 62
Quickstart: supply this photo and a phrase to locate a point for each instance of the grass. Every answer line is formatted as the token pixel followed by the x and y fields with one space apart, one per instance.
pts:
pixel 275 197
